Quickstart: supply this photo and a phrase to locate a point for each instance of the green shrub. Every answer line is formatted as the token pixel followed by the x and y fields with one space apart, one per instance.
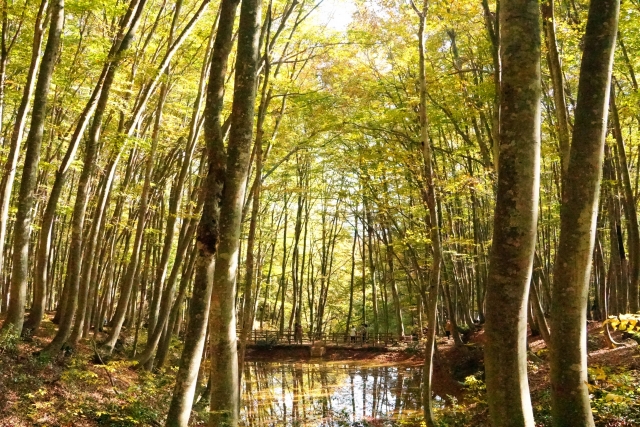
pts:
pixel 9 339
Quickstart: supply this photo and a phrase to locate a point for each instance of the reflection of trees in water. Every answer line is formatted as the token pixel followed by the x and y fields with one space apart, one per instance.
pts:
pixel 297 394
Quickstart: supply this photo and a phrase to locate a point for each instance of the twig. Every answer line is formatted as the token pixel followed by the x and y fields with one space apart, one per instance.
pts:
pixel 113 384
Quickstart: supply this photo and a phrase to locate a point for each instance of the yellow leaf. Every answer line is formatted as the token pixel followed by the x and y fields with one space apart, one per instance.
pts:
pixel 610 397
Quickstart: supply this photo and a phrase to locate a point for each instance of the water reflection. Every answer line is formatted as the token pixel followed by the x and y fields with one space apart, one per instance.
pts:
pixel 329 394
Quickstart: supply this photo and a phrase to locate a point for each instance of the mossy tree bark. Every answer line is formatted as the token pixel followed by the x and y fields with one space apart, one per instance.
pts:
pixel 578 214
pixel 208 232
pixel 26 199
pixel 516 215
pixel 224 346
pixel 11 165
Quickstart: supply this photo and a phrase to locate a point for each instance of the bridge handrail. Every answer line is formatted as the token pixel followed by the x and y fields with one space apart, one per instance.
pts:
pixel 289 337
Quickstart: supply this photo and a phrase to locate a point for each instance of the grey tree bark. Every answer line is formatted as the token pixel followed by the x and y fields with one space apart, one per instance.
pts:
pixel 208 233
pixel 630 210
pixel 516 214
pixel 74 266
pixel 24 216
pixel 557 80
pixel 46 229
pixel 578 214
pixel 6 185
pixel 174 203
pixel 161 268
pixel 224 357
pixel 430 199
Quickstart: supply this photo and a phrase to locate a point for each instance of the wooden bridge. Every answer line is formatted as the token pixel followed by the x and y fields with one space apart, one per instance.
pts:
pixel 270 338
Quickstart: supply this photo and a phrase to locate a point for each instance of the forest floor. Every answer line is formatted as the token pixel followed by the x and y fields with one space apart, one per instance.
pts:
pixel 75 390
pixel 614 381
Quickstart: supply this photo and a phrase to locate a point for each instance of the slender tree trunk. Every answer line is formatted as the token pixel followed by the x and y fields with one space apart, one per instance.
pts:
pixel 76 251
pixel 174 203
pixel 492 24
pixel 96 101
pixel 10 167
pixel 145 95
pixel 156 287
pixel 543 326
pixel 557 80
pixel 173 321
pixel 630 209
pixel 132 267
pixel 397 306
pixel 515 217
pixel 352 281
pixel 429 197
pixel 24 216
pixel 44 240
pixel 578 214
pixel 208 232
pixel 90 273
pixel 224 358
pixel 372 272
pixel 283 280
pixel 457 340
pixel 250 265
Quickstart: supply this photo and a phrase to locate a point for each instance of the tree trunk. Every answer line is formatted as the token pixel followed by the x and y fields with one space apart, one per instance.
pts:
pixel 97 101
pixel 428 192
pixel 352 281
pixel 630 209
pixel 372 271
pixel 140 105
pixel 543 326
pixel 173 321
pixel 76 250
pixel 132 267
pixel 557 80
pixel 516 214
pixel 397 307
pixel 224 357
pixel 24 216
pixel 208 232
pixel 578 214
pixel 6 185
pixel 457 340
pixel 250 265
pixel 174 203
pixel 91 264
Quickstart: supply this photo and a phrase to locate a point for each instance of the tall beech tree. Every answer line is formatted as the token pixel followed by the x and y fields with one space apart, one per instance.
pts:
pixel 208 233
pixel 222 327
pixel 578 215
pixel 430 200
pixel 11 165
pixel 24 216
pixel 516 215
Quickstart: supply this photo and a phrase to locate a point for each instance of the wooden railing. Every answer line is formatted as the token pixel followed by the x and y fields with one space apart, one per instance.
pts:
pixel 267 337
